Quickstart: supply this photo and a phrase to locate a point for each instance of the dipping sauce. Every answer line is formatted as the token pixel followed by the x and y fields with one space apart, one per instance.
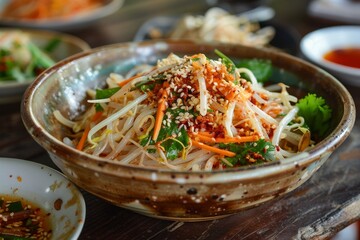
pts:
pixel 21 219
pixel 349 57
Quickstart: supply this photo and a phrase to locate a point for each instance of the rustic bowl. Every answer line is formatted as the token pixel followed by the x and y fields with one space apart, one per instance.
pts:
pixel 186 196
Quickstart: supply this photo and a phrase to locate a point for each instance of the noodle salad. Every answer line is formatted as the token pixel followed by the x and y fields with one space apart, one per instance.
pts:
pixel 193 113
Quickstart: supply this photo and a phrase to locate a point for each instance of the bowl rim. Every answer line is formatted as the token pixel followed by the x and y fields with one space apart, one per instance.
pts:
pixel 334 139
pixel 329 31
pixel 53 172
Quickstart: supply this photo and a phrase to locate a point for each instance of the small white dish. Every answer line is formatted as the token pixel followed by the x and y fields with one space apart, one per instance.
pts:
pixel 43 186
pixel 315 44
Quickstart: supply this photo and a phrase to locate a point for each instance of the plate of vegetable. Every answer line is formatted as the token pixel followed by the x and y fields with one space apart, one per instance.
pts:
pixel 173 129
pixel 38 202
pixel 24 54
pixel 58 14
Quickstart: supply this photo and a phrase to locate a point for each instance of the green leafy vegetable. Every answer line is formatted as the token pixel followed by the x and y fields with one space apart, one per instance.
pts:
pixel 104 93
pixel 317 114
pixel 252 152
pixel 261 68
pixel 230 65
pixel 10 237
pixel 21 59
pixel 15 206
pixel 40 58
pixel 174 138
pixel 52 45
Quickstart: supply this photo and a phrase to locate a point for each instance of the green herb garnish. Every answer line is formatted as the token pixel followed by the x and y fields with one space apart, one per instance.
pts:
pixel 15 206
pixel 102 94
pixel 316 113
pixel 249 153
pixel 261 68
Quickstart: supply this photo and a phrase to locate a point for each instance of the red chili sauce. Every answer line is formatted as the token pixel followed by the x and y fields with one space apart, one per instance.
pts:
pixel 21 219
pixel 349 57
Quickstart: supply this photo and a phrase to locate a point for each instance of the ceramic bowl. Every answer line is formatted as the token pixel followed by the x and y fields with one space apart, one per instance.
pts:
pixel 315 44
pixel 49 190
pixel 185 196
pixel 11 91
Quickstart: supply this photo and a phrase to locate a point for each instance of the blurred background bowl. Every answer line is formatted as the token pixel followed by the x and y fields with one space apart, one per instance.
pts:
pixel 186 196
pixel 81 19
pixel 48 189
pixel 316 44
pixel 12 91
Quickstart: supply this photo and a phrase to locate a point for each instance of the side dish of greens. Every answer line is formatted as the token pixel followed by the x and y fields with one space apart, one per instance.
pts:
pixel 21 59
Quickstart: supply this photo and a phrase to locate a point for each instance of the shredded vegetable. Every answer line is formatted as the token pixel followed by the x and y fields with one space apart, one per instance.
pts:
pixel 191 113
pixel 218 25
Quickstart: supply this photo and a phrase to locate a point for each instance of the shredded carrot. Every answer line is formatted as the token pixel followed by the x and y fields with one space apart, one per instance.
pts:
pixel 211 139
pixel 208 134
pixel 83 138
pixel 47 9
pixel 237 139
pixel 81 143
pixel 96 116
pixel 160 113
pixel 122 83
pixel 212 149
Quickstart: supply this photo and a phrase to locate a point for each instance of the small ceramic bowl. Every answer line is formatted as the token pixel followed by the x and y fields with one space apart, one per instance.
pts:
pixel 316 44
pixel 11 91
pixel 49 190
pixel 176 195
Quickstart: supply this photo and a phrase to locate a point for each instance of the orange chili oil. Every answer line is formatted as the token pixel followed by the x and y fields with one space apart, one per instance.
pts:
pixel 349 57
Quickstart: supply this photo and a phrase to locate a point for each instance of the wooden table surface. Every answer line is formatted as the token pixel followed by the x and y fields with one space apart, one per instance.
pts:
pixel 320 208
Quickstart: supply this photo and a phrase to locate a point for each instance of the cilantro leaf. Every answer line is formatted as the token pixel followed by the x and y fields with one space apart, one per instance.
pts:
pixel 316 113
pixel 104 93
pixel 261 68
pixel 249 153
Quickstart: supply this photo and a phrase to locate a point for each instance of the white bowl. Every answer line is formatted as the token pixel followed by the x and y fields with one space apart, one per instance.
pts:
pixel 42 186
pixel 315 44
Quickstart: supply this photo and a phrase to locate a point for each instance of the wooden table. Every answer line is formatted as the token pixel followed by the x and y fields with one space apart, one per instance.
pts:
pixel 324 205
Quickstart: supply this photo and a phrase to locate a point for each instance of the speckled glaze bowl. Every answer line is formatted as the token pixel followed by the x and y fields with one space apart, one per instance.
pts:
pixel 186 196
